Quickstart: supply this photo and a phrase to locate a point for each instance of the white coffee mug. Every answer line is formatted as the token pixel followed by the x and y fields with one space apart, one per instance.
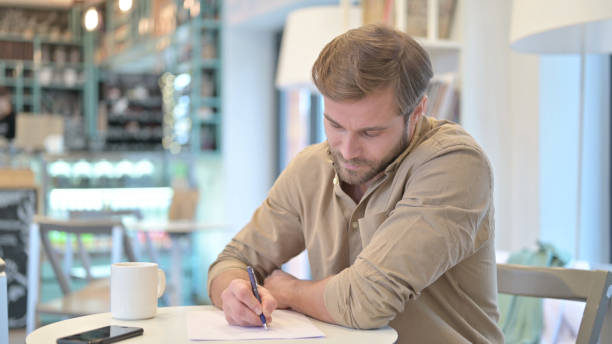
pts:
pixel 135 288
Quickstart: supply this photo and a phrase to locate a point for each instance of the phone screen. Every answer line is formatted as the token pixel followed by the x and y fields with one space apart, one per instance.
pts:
pixel 106 334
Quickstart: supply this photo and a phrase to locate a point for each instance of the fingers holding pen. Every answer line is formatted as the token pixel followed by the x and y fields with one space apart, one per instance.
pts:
pixel 242 308
pixel 268 302
pixel 239 304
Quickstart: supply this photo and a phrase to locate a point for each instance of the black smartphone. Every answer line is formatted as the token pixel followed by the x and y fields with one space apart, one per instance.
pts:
pixel 102 335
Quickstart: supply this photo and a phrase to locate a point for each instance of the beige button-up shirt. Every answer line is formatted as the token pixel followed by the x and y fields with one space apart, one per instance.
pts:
pixel 416 252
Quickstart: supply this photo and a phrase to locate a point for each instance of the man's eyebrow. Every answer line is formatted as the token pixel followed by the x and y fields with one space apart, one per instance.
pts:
pixel 331 120
pixel 377 128
pixel 374 128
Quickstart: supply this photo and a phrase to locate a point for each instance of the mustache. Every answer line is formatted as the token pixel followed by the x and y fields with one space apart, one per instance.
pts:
pixel 354 161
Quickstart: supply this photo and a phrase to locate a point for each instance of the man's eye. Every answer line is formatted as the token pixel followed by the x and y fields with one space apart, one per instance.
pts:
pixel 371 133
pixel 335 125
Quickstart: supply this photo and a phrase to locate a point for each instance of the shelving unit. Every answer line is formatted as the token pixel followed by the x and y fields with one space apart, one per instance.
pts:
pixel 42 62
pixel 206 107
pixel 133 112
pixel 437 29
pixel 184 38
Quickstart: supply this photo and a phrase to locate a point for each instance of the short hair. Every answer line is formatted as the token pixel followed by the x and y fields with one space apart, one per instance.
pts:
pixel 371 58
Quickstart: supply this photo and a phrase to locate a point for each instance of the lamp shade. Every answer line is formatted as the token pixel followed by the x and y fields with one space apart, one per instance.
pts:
pixel 307 31
pixel 555 26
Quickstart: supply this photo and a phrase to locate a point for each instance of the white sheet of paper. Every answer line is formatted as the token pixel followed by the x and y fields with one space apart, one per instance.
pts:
pixel 211 325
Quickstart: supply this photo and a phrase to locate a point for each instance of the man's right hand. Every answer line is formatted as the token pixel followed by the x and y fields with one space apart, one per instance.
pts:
pixel 231 291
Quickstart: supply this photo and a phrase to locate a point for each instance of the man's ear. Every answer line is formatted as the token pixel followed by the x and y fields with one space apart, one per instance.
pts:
pixel 422 106
pixel 419 111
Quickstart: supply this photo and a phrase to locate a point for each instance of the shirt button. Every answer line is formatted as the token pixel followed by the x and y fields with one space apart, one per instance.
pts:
pixel 355 225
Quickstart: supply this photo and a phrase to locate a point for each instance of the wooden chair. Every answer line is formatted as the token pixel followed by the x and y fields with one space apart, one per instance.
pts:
pixel 101 215
pixel 95 296
pixel 3 304
pixel 135 214
pixel 591 286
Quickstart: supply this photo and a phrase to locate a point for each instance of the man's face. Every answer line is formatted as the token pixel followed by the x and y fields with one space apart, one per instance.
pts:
pixel 364 136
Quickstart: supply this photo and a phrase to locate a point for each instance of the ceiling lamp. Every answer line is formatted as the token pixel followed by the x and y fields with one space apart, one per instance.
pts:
pixel 306 33
pixel 91 19
pixel 125 5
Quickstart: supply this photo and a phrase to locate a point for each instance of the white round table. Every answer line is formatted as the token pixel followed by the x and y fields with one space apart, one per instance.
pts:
pixel 170 326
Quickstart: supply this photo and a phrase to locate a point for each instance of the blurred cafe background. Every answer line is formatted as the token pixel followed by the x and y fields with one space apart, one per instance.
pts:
pixel 174 117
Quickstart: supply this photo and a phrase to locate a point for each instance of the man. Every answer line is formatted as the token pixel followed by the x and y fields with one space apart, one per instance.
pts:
pixel 395 209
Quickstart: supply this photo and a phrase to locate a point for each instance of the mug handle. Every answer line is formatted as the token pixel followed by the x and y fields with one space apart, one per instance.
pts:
pixel 161 282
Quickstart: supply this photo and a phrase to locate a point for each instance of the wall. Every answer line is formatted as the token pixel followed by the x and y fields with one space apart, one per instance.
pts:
pixel 595 234
pixel 248 127
pixel 249 69
pixel 500 109
pixel 560 81
pixel 523 110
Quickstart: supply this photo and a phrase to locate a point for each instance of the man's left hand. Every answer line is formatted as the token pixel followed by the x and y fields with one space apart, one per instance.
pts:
pixel 281 284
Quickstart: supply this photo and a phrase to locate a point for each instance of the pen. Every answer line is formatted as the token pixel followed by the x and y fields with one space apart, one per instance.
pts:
pixel 256 293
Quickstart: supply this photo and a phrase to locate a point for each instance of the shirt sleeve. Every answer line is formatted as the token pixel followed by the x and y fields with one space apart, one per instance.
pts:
pixel 272 236
pixel 440 220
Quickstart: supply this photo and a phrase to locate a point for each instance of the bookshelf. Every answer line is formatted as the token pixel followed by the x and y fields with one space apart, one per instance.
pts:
pixel 436 25
pixel 43 63
pixel 131 112
pixel 180 40
pixel 206 91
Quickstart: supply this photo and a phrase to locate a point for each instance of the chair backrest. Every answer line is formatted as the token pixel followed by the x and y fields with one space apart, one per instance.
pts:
pixel 79 302
pixel 184 203
pixel 110 227
pixel 104 214
pixel 591 286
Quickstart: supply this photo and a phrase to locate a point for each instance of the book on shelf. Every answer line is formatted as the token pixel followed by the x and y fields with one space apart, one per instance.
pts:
pixel 416 18
pixel 446 15
pixel 443 97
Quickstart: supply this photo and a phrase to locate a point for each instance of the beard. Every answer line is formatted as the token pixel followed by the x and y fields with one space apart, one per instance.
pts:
pixel 366 169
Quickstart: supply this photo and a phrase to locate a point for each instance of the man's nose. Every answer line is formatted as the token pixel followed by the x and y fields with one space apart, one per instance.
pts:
pixel 350 147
